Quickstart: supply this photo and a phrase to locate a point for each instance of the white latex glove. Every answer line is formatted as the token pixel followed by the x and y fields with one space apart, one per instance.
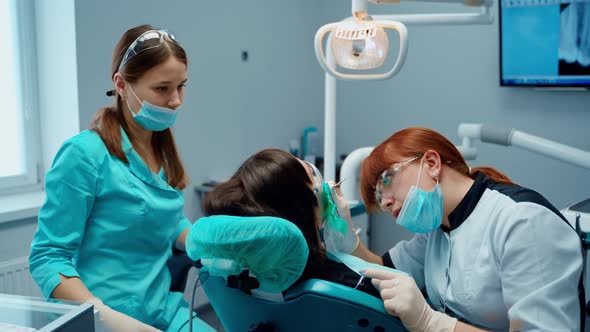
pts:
pixel 402 298
pixel 335 241
pixel 116 321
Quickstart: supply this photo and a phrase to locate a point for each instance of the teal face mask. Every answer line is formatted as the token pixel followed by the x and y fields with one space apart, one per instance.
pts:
pixel 422 211
pixel 152 117
pixel 331 221
pixel 330 218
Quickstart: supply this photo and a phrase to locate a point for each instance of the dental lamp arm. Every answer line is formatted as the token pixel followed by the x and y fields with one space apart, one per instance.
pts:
pixel 462 2
pixel 361 5
pixel 359 9
pixel 507 137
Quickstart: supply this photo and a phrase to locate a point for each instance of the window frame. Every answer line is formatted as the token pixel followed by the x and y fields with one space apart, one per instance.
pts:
pixel 27 98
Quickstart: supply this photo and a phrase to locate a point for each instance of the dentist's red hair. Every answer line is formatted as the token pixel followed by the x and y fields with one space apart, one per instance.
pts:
pixel 414 142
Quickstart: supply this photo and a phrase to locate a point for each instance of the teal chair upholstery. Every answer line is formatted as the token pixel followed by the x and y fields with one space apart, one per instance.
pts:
pixel 312 305
pixel 268 247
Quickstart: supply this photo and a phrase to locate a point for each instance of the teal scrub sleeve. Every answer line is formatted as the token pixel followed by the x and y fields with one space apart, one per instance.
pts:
pixel 183 225
pixel 70 187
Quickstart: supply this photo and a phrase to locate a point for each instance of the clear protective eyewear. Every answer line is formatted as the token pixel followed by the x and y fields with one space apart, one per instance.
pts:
pixel 386 179
pixel 147 40
pixel 318 180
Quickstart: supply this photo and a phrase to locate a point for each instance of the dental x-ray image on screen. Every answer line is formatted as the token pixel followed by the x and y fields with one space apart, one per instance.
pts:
pixel 574 43
pixel 545 43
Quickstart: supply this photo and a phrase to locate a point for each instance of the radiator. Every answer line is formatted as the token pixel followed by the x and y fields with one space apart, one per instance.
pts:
pixel 15 278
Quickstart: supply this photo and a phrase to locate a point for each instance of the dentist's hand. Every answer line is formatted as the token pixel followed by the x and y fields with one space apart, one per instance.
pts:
pixel 116 321
pixel 402 298
pixel 349 241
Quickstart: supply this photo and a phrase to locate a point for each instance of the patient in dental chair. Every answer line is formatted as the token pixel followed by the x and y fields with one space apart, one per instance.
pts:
pixel 272 182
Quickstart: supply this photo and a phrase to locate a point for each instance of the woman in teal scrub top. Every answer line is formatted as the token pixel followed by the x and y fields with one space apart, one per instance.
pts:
pixel 114 207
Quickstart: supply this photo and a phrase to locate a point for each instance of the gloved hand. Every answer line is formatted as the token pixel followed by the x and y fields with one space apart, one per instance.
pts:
pixel 343 237
pixel 115 321
pixel 402 298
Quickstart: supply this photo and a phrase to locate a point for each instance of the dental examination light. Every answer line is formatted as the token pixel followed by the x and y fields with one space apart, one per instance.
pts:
pixel 361 44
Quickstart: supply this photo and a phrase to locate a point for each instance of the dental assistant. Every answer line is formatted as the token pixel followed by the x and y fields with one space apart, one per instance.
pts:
pixel 489 254
pixel 114 207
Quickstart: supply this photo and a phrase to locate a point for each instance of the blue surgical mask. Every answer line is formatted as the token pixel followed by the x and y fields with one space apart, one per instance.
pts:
pixel 422 211
pixel 152 117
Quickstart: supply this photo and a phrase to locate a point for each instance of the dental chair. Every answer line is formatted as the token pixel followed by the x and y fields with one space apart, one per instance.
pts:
pixel 179 265
pixel 250 266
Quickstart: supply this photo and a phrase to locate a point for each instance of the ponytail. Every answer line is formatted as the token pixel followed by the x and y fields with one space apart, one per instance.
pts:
pixel 491 173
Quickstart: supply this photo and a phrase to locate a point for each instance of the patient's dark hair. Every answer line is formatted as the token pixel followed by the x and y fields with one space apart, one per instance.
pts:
pixel 271 183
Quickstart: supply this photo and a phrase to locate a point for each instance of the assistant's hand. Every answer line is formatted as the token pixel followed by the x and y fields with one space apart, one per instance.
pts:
pixel 349 240
pixel 116 321
pixel 402 298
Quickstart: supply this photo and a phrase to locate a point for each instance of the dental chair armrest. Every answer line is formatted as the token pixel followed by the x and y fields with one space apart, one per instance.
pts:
pixel 179 265
pixel 335 291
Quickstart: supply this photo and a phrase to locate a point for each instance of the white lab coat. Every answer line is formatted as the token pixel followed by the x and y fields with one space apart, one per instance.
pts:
pixel 509 259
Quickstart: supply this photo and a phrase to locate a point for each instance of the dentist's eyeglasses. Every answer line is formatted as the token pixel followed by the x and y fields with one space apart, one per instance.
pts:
pixel 385 180
pixel 147 40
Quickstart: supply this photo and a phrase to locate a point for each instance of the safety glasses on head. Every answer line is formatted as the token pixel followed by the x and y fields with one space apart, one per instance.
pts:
pixel 147 40
pixel 385 180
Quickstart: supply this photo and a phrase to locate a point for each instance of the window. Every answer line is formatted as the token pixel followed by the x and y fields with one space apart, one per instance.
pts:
pixel 19 139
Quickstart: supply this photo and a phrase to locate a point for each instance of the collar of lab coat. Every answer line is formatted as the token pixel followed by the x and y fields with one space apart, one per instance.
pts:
pixel 139 167
pixel 469 202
